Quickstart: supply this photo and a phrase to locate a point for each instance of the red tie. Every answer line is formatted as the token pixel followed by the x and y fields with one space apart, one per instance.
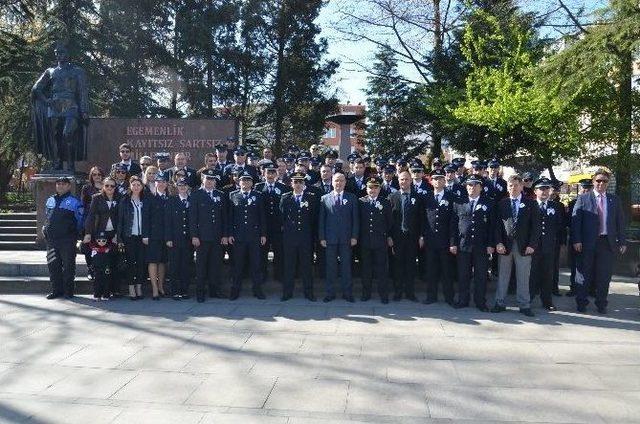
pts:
pixel 601 213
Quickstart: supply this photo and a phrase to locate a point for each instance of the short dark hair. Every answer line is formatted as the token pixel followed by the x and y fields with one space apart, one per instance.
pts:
pixel 603 172
pixel 125 146
pixel 515 177
pixel 358 161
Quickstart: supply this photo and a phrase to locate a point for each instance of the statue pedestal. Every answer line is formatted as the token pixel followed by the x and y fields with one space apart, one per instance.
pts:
pixel 44 185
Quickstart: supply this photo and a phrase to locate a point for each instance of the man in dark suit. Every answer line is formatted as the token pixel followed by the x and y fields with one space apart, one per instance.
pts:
pixel 452 184
pixel 208 228
pixel 376 221
pixel 239 165
pixel 178 240
pixel 438 232
pixel 356 183
pixel 247 233
pixel 407 208
pixel 338 228
pixel 272 190
pixel 497 185
pixel 420 184
pixel 598 234
pixel 517 234
pixel 474 243
pixel 299 212
pixel 543 259
pixel 586 185
pixel 132 167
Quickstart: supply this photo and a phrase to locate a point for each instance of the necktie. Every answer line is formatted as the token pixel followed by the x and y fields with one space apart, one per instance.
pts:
pixel 405 205
pixel 473 206
pixel 298 196
pixel 326 188
pixel 184 202
pixel 514 210
pixel 246 196
pixel 270 188
pixel 543 207
pixel 601 213
pixel 211 195
pixel 338 200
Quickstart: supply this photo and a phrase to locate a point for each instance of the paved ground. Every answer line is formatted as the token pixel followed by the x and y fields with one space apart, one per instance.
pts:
pixel 268 362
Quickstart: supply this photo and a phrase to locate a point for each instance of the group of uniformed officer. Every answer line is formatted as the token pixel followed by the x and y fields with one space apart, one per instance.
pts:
pixel 445 226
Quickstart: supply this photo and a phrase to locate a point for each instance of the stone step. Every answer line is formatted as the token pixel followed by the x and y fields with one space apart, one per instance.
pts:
pixel 18 216
pixel 31 223
pixel 18 245
pixel 17 230
pixel 18 237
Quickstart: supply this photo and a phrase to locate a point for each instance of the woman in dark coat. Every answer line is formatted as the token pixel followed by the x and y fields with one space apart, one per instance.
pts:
pixel 153 235
pixel 96 174
pixel 129 230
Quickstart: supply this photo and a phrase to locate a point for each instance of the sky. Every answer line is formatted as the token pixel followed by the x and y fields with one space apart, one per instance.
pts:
pixel 351 80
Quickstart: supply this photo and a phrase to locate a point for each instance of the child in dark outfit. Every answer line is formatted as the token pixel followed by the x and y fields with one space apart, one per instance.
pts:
pixel 101 258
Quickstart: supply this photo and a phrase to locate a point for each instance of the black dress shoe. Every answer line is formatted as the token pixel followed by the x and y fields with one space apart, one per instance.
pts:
pixel 349 298
pixel 155 298
pixel 259 294
pixel 384 300
pixel 527 312
pixel 185 297
pixel 285 297
pixel 235 294
pixel 328 299
pixel 412 298
pixel 550 308
pixel 450 302
pixel 397 297
pixel 365 298
pixel 53 296
pixel 429 301
pixel 582 308
pixel 460 305
pixel 556 292
pixel 498 308
pixel 177 297
pixel 133 297
pixel 200 299
pixel 69 296
pixel 602 310
pixel 140 297
pixel 310 297
pixel 483 308
pixel 570 293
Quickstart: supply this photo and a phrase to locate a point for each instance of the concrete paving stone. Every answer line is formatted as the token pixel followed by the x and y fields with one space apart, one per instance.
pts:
pixel 211 340
pixel 482 350
pixel 509 404
pixel 158 416
pixel 422 371
pixel 55 412
pixel 333 345
pixel 353 368
pixel 99 335
pixel 24 351
pixel 548 376
pixel 153 358
pixel 160 387
pixel 99 357
pixel 384 398
pixel 163 338
pixel 246 391
pixel 256 311
pixel 616 377
pixel 216 361
pixel 236 418
pixel 593 353
pixel 274 343
pixel 32 378
pixel 318 395
pixel 307 311
pixel 290 365
pixel 394 347
pixel 90 383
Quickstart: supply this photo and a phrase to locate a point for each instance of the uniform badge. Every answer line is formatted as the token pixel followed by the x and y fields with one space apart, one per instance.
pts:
pixel 444 202
pixel 344 201
pixel 277 191
pixel 522 205
pixel 378 205
pixel 551 211
pixel 216 199
pixel 413 200
pixel 304 204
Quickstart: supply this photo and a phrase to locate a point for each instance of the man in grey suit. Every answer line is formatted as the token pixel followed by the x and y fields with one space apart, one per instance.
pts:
pixel 597 232
pixel 338 232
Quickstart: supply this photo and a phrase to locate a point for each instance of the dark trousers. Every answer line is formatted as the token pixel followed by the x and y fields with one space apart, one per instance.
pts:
pixel 405 248
pixel 180 258
pixel 273 244
pixel 321 260
pixel 541 278
pixel 472 266
pixel 374 266
pixel 556 268
pixel 332 252
pixel 594 266
pixel 297 255
pixel 61 260
pixel 102 277
pixel 243 251
pixel 439 268
pixel 208 267
pixel 136 266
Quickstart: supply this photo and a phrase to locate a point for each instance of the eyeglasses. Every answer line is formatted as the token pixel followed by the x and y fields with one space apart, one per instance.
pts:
pixel 109 185
pixel 297 182
pixel 602 181
pixel 527 180
pixel 121 172
pixel 125 151
pixel 96 175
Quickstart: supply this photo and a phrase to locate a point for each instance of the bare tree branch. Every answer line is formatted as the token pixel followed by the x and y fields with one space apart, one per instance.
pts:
pixel 573 18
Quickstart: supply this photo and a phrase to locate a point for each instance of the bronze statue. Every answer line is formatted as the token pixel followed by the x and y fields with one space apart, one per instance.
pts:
pixel 60 106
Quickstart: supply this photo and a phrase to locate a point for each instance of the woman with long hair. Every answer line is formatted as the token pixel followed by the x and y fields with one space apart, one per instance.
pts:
pixel 96 174
pixel 153 235
pixel 149 179
pixel 129 230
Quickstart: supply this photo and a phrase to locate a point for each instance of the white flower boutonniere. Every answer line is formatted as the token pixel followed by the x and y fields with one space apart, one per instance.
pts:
pixel 444 202
pixel 250 200
pixel 484 207
pixel 216 199
pixel 478 207
pixel 522 205
pixel 457 192
pixel 486 188
pixel 551 211
pixel 378 205
pixel 304 204
pixel 413 200
pixel 344 201
pixel 277 191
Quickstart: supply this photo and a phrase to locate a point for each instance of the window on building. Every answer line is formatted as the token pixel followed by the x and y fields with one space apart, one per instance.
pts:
pixel 330 132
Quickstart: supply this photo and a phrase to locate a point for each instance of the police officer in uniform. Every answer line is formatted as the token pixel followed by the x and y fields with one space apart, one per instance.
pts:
pixel 376 221
pixel 64 215
pixel 542 261
pixel 247 231
pixel 208 229
pixel 272 190
pixel 497 184
pixel 452 184
pixel 178 240
pixel 299 212
pixel 438 234
pixel 475 242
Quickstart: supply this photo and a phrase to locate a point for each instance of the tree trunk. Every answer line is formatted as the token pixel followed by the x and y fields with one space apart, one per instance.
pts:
pixel 439 76
pixel 278 92
pixel 625 109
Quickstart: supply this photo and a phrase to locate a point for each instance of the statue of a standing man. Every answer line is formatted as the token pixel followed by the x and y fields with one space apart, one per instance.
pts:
pixel 60 106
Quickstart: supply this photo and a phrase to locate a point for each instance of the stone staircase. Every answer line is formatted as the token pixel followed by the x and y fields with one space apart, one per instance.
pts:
pixel 18 231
